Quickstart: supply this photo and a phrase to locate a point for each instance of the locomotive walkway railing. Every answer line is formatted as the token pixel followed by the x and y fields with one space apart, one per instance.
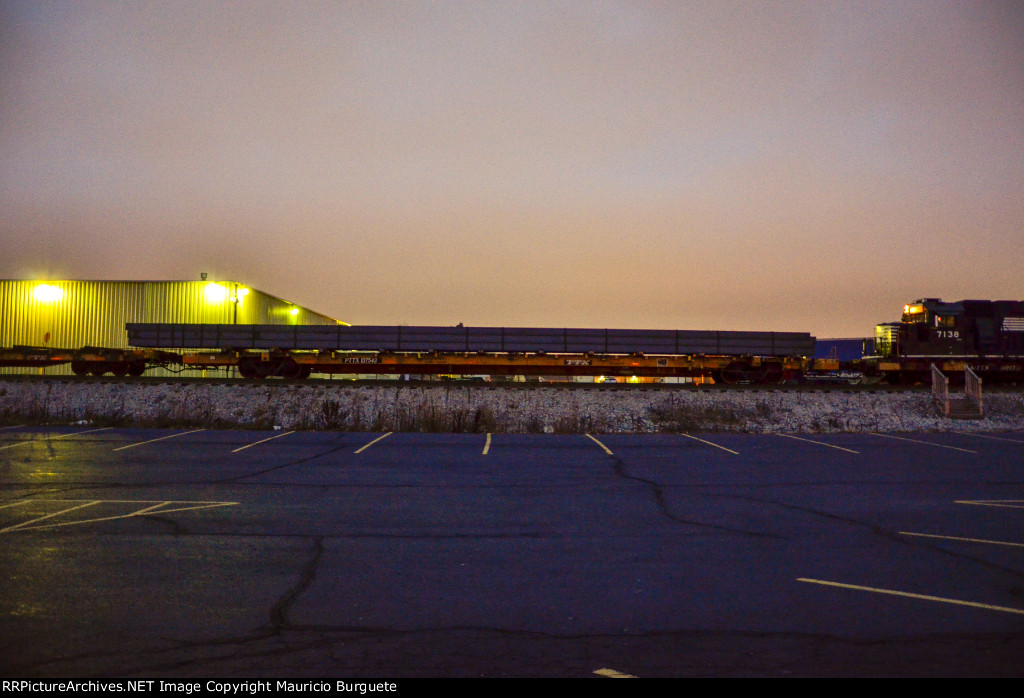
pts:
pixel 972 388
pixel 967 407
pixel 940 389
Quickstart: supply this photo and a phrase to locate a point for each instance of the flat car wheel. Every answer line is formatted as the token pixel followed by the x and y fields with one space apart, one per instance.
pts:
pixel 248 368
pixel 290 370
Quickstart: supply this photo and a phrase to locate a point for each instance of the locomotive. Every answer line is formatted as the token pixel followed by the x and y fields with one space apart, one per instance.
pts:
pixel 985 336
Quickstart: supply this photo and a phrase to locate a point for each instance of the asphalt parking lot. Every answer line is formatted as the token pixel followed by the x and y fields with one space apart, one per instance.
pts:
pixel 158 552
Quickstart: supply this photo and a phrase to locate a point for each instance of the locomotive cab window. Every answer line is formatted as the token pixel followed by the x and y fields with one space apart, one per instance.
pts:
pixel 945 320
pixel 915 313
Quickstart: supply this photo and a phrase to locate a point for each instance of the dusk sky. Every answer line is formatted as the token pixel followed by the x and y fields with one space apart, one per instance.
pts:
pixel 804 166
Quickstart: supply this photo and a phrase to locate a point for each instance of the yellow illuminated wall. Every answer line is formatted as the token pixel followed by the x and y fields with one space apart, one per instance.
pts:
pixel 75 314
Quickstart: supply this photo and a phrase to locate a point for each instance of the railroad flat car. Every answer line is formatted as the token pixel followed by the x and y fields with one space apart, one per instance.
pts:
pixel 260 351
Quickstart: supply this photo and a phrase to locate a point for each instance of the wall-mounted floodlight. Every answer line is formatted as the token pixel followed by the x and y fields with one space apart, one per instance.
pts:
pixel 45 293
pixel 215 293
pixel 294 311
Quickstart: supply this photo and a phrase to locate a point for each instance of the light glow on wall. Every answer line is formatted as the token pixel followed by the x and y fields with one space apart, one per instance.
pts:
pixel 45 293
pixel 215 293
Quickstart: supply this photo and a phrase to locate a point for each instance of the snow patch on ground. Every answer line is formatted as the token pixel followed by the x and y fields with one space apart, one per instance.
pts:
pixel 453 408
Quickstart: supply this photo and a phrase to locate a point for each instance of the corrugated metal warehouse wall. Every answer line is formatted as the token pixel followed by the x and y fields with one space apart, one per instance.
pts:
pixel 75 314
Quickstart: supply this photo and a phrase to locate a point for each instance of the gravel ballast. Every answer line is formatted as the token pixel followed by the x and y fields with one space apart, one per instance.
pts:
pixel 463 408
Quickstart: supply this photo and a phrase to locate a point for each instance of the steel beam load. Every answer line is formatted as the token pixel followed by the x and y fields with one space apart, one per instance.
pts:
pixel 511 340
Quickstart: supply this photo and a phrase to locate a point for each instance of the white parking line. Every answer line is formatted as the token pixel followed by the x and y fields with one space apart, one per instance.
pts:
pixel 966 540
pixel 710 443
pixel 606 449
pixel 373 442
pixel 487 444
pixel 23 524
pixel 172 436
pixel 820 443
pixel 918 441
pixel 907 594
pixel 54 438
pixel 156 505
pixel 257 443
pixel 76 433
pixel 1005 503
pixel 996 438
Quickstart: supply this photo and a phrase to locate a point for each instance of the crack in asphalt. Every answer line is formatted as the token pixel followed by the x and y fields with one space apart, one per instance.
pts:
pixel 279 612
pixel 300 461
pixel 278 625
pixel 176 529
pixel 879 531
pixel 659 499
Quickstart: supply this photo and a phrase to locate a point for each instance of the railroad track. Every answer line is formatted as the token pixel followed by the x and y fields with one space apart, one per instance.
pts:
pixel 488 385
